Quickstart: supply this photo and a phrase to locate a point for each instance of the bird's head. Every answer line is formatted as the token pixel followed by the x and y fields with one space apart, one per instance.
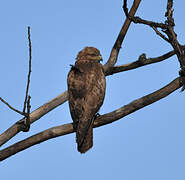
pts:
pixel 90 53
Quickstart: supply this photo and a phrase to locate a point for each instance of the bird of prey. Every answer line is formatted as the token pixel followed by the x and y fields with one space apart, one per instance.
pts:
pixel 86 90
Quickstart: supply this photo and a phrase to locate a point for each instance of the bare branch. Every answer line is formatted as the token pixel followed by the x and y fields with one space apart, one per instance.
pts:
pixel 100 121
pixel 173 40
pixel 169 13
pixel 160 34
pixel 172 35
pixel 27 100
pixel 139 63
pixel 12 108
pixel 29 72
pixel 35 115
pixel 116 48
pixel 141 21
pixel 168 29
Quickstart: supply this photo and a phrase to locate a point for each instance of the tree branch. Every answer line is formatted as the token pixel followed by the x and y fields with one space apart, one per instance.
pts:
pixel 29 72
pixel 141 21
pixel 139 63
pixel 100 121
pixel 12 108
pixel 168 29
pixel 160 34
pixel 174 42
pixel 25 124
pixel 116 48
pixel 35 115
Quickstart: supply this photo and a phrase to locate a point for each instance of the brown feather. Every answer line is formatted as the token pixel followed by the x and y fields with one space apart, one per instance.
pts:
pixel 86 88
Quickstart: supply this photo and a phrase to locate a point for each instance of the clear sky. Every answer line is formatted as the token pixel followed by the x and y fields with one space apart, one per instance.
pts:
pixel 148 144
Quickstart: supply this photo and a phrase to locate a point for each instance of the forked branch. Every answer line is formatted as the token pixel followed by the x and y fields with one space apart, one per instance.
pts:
pixel 168 28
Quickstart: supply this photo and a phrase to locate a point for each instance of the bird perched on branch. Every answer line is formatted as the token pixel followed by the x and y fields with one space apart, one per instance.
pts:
pixel 86 89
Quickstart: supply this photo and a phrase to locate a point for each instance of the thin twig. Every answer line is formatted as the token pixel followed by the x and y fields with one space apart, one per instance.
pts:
pixel 160 34
pixel 28 83
pixel 12 108
pixel 29 72
pixel 139 20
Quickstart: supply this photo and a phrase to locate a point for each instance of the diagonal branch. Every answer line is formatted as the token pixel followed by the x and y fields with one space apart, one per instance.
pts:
pixel 35 115
pixel 140 63
pixel 116 48
pixel 160 34
pixel 12 108
pixel 100 121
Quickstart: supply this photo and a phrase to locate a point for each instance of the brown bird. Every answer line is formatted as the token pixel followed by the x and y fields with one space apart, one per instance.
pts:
pixel 86 89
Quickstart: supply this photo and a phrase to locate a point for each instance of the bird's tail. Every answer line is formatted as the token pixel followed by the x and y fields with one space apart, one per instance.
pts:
pixel 84 135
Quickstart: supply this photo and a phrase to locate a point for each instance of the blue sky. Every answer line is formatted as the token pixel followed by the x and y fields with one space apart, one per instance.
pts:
pixel 148 144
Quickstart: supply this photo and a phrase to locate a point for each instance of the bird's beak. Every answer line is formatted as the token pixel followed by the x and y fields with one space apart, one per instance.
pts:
pixel 100 58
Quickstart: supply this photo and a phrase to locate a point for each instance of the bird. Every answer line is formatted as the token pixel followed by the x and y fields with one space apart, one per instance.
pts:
pixel 86 91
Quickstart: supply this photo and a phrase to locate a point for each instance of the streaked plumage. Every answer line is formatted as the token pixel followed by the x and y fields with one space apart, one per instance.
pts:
pixel 86 89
